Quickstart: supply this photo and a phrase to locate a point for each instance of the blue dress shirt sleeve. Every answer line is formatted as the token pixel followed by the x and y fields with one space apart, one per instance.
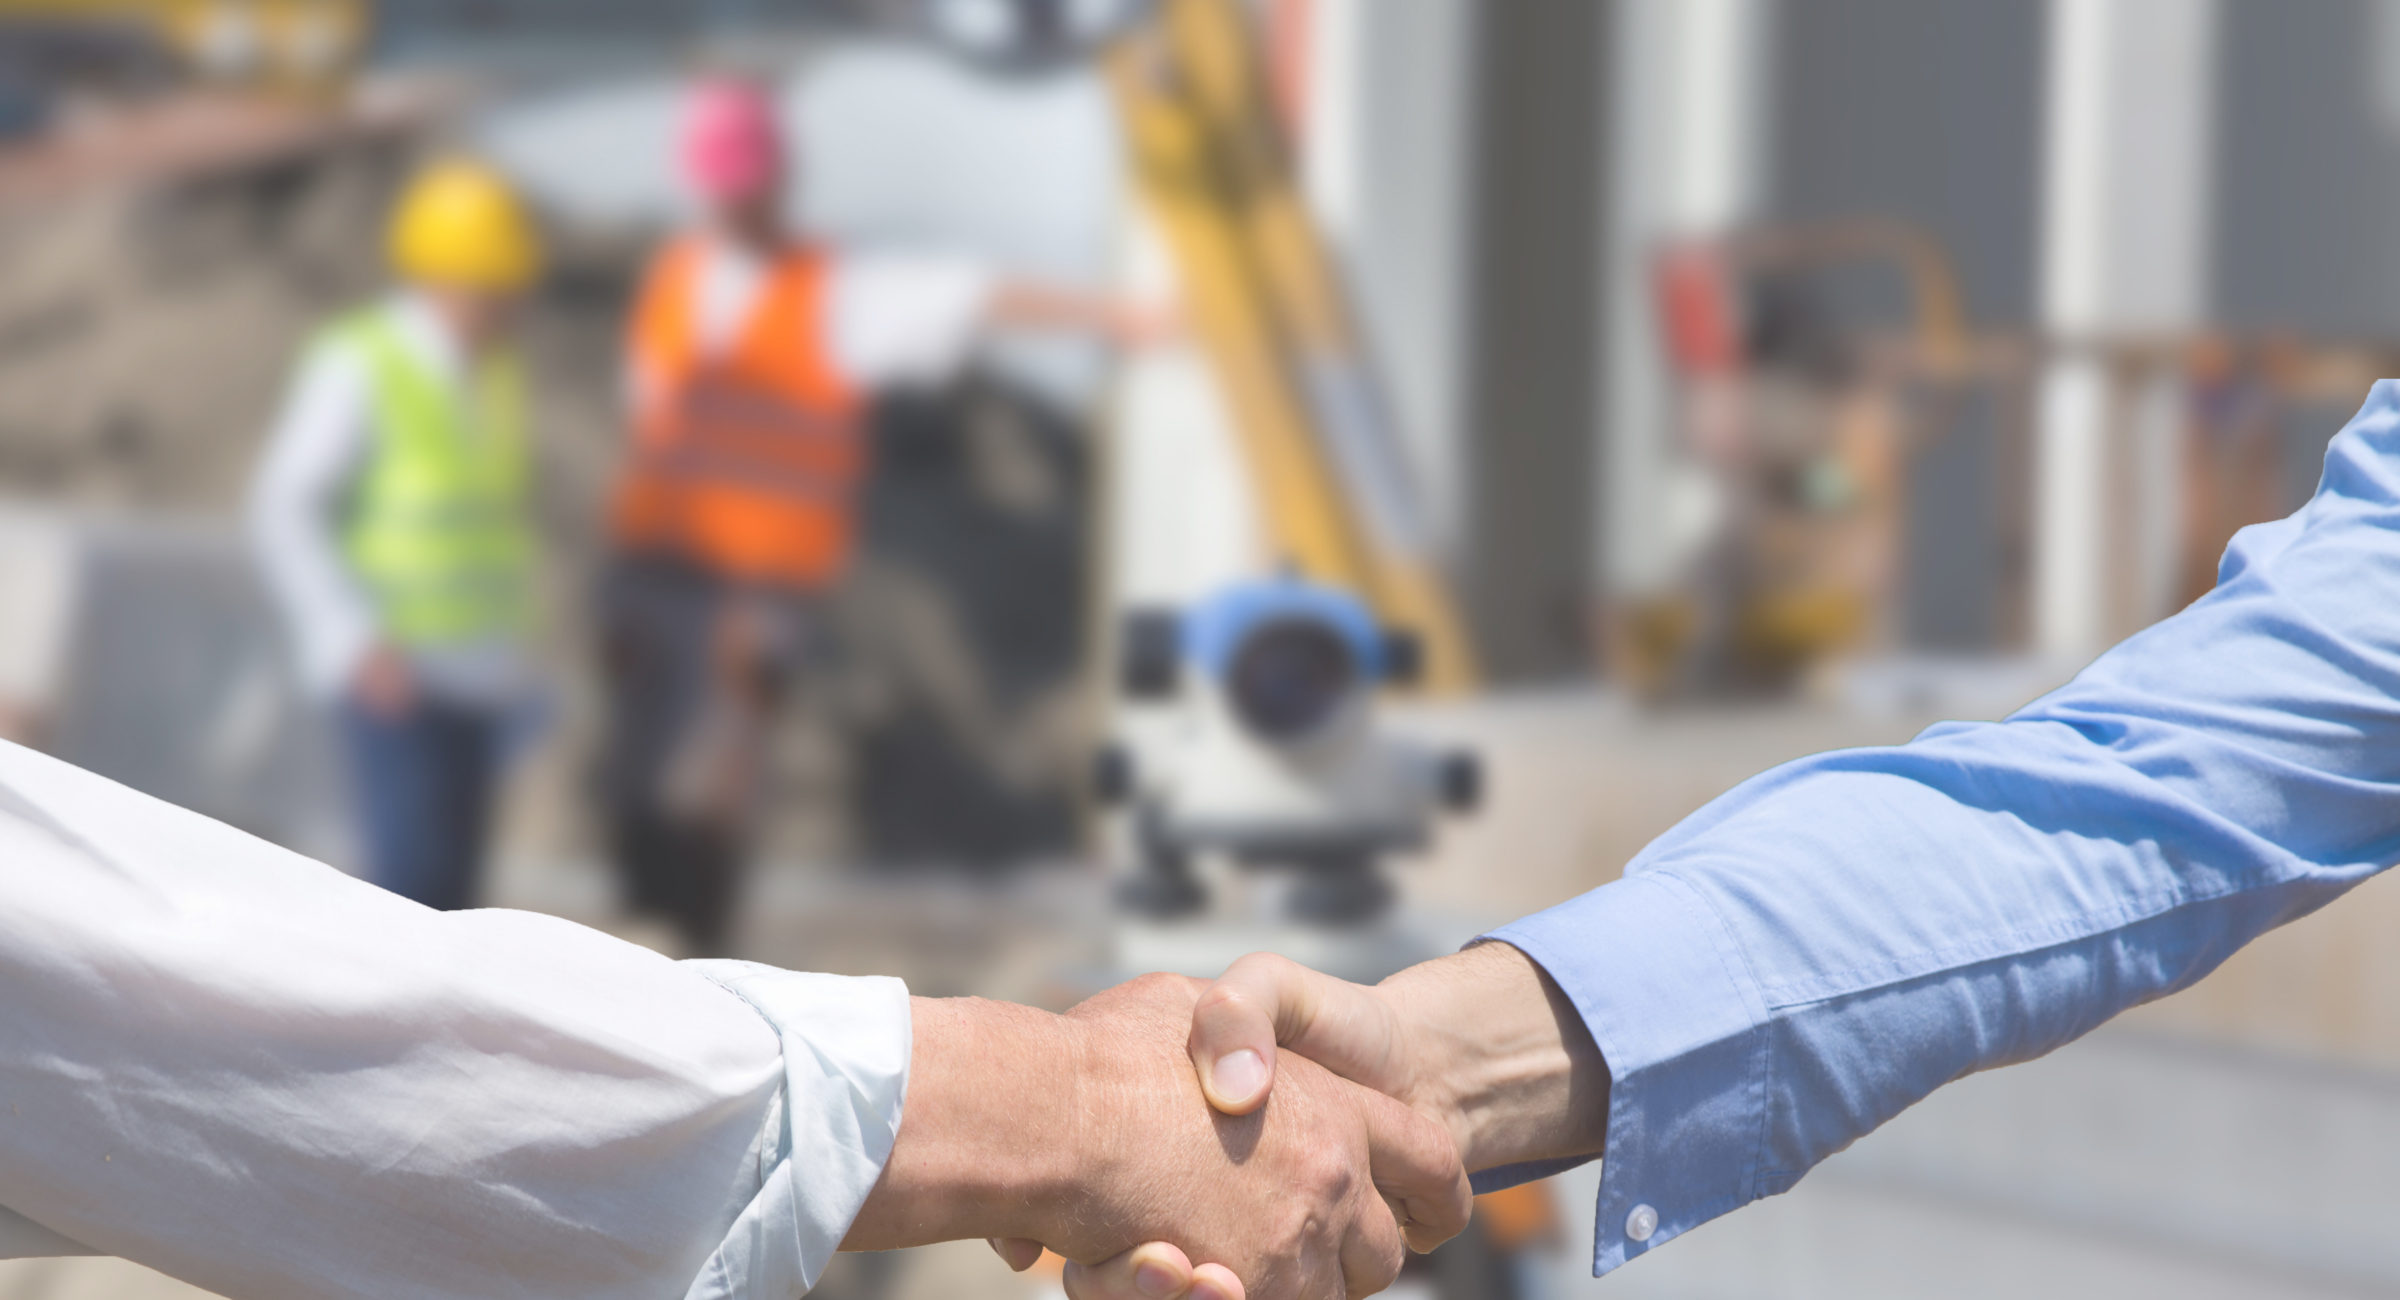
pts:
pixel 1829 942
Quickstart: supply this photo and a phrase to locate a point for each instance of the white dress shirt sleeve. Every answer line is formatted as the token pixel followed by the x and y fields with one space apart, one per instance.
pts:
pixel 250 1071
pixel 905 319
pixel 320 445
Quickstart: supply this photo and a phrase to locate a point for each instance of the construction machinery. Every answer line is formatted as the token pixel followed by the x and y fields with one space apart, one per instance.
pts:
pixel 1259 288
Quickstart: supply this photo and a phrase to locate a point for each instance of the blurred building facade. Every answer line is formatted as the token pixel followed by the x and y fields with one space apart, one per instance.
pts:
pixel 2164 224
pixel 2107 184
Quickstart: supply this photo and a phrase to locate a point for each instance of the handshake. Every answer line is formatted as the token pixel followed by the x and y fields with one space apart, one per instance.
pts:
pixel 1279 1133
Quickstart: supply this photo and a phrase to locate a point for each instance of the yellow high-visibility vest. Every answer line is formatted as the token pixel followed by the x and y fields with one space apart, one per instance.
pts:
pixel 440 529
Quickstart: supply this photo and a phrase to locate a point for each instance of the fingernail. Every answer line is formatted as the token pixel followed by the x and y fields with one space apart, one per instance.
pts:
pixel 1240 1075
pixel 1156 1279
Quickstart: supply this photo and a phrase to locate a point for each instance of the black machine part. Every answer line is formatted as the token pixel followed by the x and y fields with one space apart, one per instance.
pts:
pixel 1114 775
pixel 1161 886
pixel 1461 781
pixel 1289 678
pixel 1403 657
pixel 1151 656
pixel 1352 897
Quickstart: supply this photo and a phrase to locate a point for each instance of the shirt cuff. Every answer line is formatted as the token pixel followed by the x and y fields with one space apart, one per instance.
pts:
pixel 1667 996
pixel 845 1058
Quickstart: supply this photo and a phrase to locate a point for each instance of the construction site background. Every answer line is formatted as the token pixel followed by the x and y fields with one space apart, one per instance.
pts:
pixel 1774 377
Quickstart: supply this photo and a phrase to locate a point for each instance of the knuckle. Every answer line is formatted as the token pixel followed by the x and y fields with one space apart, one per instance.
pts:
pixel 1270 963
pixel 1333 1169
pixel 1222 997
pixel 1265 970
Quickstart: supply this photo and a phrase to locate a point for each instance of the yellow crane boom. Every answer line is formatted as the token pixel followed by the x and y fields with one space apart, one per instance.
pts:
pixel 1266 304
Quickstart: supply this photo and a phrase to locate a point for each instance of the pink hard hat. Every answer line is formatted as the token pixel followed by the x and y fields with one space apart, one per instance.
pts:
pixel 732 145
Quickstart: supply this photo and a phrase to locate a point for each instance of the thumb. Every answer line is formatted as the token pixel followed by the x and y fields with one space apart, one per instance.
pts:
pixel 1263 1001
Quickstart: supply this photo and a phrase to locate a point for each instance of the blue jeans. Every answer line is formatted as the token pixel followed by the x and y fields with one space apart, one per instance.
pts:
pixel 423 785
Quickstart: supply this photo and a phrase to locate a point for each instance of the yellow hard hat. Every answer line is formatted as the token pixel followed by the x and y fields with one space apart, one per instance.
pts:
pixel 460 224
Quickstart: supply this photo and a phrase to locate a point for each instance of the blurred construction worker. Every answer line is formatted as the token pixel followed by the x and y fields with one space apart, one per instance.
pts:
pixel 752 354
pixel 391 515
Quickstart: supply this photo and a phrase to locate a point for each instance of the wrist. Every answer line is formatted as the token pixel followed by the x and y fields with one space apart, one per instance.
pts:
pixel 1502 1058
pixel 989 1134
pixel 1095 1148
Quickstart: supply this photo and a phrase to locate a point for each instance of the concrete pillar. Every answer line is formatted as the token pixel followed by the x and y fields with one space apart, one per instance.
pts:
pixel 2127 153
pixel 1540 114
pixel 1684 157
pixel 1387 113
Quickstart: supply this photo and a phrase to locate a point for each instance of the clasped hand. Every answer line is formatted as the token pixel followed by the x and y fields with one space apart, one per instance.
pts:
pixel 1468 1062
pixel 1318 1192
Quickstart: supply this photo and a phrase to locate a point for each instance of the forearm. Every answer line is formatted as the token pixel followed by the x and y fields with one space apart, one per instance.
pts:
pixel 987 1139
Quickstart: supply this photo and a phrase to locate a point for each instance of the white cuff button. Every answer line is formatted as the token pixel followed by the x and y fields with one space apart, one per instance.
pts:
pixel 1640 1224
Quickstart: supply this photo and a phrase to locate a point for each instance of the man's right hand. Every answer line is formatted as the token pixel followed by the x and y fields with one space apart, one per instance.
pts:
pixel 1327 1186
pixel 383 683
pixel 1482 1042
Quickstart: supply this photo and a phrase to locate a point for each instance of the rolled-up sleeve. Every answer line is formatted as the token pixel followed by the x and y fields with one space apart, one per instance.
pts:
pixel 845 1058
pixel 1826 944
pixel 253 1072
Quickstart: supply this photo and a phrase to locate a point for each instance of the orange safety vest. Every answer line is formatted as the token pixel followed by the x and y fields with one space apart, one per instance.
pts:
pixel 746 460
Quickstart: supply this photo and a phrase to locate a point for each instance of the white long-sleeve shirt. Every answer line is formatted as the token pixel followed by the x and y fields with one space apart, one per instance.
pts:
pixel 250 1071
